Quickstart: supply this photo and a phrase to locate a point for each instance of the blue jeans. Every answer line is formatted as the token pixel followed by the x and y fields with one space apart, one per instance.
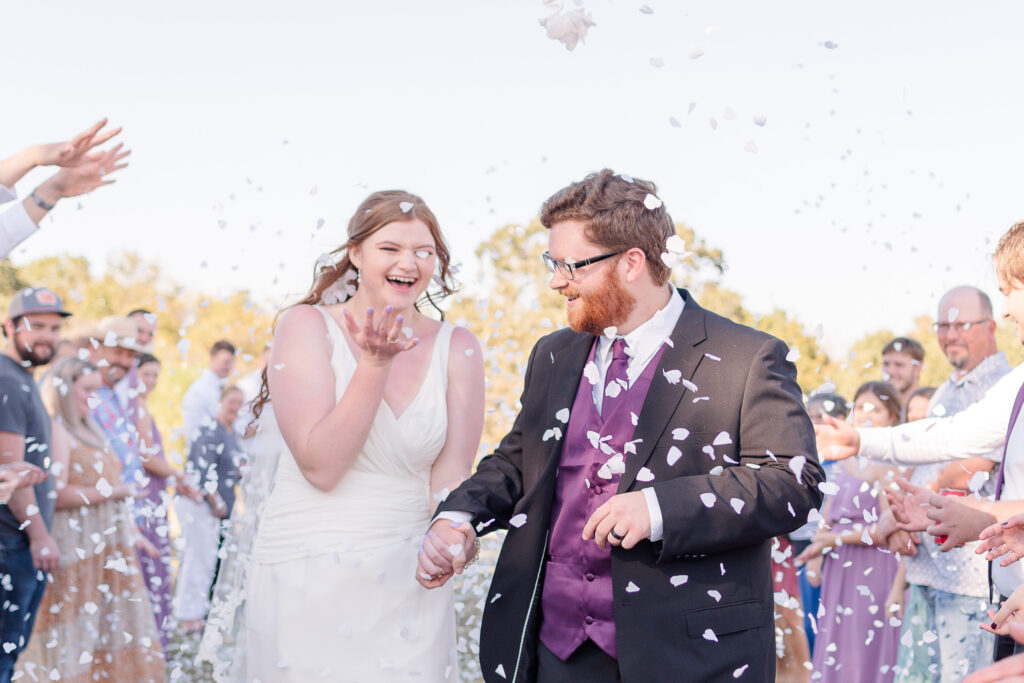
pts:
pixel 941 638
pixel 21 589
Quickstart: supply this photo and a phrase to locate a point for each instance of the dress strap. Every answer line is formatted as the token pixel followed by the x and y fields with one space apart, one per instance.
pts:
pixel 333 330
pixel 442 347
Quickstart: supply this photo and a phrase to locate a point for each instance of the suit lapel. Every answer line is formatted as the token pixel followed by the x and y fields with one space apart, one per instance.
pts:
pixel 566 371
pixel 663 397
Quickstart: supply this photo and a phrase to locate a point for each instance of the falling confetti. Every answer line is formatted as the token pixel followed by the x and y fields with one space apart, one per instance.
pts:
pixel 673 455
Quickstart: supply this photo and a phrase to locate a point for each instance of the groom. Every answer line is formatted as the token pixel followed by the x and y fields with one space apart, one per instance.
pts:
pixel 659 449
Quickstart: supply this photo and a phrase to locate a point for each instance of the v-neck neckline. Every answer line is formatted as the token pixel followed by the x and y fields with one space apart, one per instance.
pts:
pixel 383 399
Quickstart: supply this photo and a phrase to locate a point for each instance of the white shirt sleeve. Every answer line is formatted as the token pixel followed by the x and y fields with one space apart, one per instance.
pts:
pixel 654 510
pixel 977 431
pixel 15 227
pixel 7 194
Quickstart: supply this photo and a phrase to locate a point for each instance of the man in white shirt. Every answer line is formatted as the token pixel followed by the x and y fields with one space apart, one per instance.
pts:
pixel 82 171
pixel 979 430
pixel 203 396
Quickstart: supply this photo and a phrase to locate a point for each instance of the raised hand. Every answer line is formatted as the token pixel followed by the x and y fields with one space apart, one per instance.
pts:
pixel 91 173
pixel 380 340
pixel 1009 670
pixel 837 440
pixel 445 550
pixel 958 522
pixel 1005 538
pixel 909 507
pixel 1012 610
pixel 75 151
pixel 17 474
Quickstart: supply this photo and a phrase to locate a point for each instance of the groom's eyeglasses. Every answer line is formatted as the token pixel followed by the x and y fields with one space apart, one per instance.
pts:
pixel 567 269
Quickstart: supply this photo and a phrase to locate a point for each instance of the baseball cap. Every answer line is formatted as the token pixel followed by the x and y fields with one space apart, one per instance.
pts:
pixel 36 300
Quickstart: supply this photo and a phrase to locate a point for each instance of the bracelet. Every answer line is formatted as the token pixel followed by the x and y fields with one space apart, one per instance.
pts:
pixel 41 203
pixel 476 555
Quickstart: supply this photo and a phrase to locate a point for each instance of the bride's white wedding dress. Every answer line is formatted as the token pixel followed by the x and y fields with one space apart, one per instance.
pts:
pixel 330 589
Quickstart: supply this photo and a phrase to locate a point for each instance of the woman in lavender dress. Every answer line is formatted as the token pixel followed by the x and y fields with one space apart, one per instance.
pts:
pixel 151 504
pixel 857 641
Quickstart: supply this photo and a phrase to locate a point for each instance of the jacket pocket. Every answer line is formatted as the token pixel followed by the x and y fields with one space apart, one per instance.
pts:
pixel 724 619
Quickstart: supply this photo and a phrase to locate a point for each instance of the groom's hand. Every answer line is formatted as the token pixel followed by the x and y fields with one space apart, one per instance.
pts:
pixel 445 550
pixel 626 514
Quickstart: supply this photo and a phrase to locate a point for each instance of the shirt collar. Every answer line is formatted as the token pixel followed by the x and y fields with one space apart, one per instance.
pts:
pixel 980 370
pixel 644 341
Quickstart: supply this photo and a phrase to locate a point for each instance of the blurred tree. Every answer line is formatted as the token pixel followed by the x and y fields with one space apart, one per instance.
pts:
pixel 188 322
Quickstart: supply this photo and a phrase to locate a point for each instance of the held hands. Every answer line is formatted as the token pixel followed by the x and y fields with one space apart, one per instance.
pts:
pixel 910 505
pixel 446 549
pixel 1006 538
pixel 184 488
pixel 380 340
pixel 623 520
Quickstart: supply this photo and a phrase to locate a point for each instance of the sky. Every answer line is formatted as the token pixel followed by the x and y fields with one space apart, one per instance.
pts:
pixel 886 168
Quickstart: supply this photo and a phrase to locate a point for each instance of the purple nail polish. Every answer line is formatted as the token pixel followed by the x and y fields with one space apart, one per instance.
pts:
pixel 388 309
pixel 454 525
pixel 399 319
pixel 1004 523
pixel 993 625
pixel 369 311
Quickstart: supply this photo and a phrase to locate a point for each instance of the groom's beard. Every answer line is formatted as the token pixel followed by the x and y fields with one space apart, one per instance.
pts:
pixel 609 306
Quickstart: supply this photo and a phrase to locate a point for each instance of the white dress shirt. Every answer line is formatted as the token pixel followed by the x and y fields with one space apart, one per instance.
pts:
pixel 1008 579
pixel 641 346
pixel 202 399
pixel 15 223
pixel 977 431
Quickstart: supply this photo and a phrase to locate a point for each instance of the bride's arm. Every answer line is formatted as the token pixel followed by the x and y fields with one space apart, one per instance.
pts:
pixel 324 437
pixel 465 405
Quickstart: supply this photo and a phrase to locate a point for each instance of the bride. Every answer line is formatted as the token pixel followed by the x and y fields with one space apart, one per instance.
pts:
pixel 380 409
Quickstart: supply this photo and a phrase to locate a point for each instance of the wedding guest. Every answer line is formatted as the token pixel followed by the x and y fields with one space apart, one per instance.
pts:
pixel 95 621
pixel 27 550
pixel 203 396
pixel 856 642
pixel 902 360
pixel 917 406
pixel 82 171
pixel 213 461
pixel 948 594
pixel 822 402
pixel 153 502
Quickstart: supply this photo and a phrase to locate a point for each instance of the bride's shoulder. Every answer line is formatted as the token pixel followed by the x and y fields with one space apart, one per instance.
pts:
pixel 298 325
pixel 464 348
pixel 301 318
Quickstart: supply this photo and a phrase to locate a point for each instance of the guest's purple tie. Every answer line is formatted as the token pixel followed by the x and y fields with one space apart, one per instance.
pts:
pixel 615 381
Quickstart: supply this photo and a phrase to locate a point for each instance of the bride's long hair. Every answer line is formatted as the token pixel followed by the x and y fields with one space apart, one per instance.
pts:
pixel 336 279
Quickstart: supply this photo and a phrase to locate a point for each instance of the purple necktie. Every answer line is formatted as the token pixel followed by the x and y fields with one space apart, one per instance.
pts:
pixel 615 380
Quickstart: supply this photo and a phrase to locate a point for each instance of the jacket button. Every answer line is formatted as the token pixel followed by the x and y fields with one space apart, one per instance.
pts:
pixel 588 576
pixel 588 620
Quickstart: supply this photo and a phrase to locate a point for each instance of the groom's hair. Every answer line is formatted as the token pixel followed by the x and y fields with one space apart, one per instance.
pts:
pixel 1009 256
pixel 618 215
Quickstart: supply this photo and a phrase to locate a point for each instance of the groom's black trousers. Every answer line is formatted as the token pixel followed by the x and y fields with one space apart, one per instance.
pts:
pixel 588 663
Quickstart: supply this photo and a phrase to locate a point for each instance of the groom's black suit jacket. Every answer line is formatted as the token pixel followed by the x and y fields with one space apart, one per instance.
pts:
pixel 697 605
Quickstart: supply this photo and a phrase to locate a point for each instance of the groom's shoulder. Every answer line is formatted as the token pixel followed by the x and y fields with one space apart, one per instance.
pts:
pixel 721 329
pixel 558 340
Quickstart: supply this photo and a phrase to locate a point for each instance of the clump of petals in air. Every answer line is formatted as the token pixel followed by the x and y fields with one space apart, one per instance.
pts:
pixel 570 27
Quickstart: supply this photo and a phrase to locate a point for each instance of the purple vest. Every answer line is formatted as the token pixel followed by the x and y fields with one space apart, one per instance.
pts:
pixel 576 602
